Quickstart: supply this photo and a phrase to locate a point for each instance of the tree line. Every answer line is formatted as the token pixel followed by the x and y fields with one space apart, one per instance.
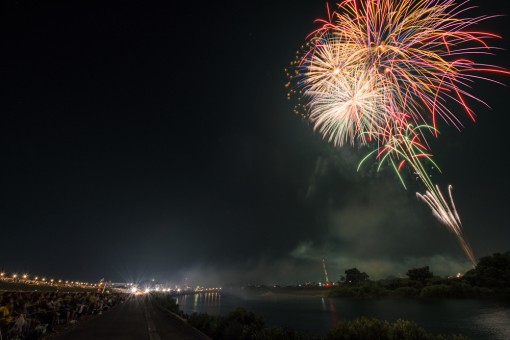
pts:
pixel 490 278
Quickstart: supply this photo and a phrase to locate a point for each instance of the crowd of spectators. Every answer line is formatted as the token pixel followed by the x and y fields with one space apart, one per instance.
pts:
pixel 31 315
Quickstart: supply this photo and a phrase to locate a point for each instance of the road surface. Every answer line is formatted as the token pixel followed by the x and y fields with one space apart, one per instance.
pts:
pixel 136 319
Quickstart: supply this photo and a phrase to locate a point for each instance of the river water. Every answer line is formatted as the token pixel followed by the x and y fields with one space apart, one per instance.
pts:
pixel 478 319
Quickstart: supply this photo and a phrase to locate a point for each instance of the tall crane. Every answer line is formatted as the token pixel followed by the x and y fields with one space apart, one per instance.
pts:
pixel 327 284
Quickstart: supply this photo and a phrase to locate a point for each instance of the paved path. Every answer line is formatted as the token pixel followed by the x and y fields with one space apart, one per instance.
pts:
pixel 135 319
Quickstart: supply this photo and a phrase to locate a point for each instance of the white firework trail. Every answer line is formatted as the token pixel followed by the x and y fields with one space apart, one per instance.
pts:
pixel 447 214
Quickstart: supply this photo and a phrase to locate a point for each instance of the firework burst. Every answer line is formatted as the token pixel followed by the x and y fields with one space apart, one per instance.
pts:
pixel 381 72
pixel 349 108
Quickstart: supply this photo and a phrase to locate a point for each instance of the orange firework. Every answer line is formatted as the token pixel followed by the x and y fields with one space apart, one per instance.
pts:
pixel 382 71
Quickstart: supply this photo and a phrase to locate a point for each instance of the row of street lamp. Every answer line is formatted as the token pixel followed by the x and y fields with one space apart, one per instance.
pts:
pixel 43 280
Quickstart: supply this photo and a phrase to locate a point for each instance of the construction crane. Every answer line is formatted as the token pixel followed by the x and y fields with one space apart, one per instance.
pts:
pixel 327 284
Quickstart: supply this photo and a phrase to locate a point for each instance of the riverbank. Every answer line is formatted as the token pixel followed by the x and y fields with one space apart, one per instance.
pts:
pixel 483 319
pixel 489 279
pixel 139 317
pixel 246 324
pixel 396 288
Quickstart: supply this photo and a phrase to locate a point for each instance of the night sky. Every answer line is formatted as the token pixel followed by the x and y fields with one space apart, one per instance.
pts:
pixel 144 139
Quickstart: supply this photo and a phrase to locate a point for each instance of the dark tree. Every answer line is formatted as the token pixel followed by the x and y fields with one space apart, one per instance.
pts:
pixel 420 274
pixel 354 276
pixel 492 271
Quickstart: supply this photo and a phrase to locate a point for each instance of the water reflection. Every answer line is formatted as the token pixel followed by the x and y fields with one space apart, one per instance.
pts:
pixel 209 302
pixel 332 313
pixel 329 308
pixel 496 322
pixel 478 319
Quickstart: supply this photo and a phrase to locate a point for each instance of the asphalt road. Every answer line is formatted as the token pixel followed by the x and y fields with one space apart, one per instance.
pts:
pixel 136 319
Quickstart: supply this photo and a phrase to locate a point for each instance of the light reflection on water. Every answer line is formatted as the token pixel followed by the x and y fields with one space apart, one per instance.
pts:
pixel 201 303
pixel 329 308
pixel 478 319
pixel 495 321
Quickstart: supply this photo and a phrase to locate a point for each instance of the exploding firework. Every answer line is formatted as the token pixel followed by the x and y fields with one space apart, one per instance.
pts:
pixel 348 109
pixel 381 72
pixel 403 146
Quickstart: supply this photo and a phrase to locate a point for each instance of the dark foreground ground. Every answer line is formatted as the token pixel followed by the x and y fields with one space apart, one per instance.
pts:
pixel 137 319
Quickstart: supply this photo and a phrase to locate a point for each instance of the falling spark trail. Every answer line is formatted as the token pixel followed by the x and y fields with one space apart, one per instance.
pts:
pixel 447 214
